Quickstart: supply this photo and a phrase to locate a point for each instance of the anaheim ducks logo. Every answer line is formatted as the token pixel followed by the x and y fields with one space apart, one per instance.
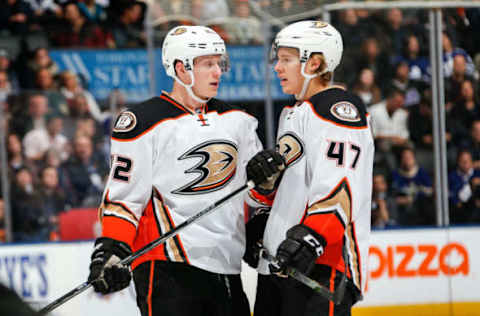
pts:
pixel 290 147
pixel 216 168
pixel 179 31
pixel 345 111
pixel 319 24
pixel 125 122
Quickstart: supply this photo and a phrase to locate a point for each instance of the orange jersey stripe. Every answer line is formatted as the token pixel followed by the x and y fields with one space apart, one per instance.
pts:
pixel 118 229
pixel 331 228
pixel 147 232
pixel 262 199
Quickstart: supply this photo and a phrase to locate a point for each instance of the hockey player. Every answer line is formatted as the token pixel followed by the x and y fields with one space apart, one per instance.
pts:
pixel 172 156
pixel 319 223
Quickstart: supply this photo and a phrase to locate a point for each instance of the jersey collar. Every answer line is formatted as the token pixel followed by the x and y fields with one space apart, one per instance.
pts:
pixel 182 107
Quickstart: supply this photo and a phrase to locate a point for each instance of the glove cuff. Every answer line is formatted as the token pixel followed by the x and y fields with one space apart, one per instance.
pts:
pixel 116 247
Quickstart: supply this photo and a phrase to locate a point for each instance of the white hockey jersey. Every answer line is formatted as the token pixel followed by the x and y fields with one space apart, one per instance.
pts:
pixel 328 146
pixel 168 164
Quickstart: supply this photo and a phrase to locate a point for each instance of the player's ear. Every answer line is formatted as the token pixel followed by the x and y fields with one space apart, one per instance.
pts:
pixel 181 72
pixel 314 64
pixel 179 68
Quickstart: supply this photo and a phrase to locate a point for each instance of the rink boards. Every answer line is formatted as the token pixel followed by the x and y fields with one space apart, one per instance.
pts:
pixel 415 272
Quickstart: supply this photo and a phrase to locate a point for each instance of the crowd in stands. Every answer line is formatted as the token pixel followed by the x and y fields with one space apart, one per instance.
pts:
pixel 386 63
pixel 58 133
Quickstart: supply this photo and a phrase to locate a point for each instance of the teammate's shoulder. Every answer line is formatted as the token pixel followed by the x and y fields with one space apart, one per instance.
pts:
pixel 139 118
pixel 340 107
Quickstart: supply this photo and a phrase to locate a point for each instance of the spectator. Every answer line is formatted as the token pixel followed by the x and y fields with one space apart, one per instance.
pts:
pixel 79 32
pixel 6 64
pixel 449 53
pixel 402 81
pixel 70 88
pixel 197 16
pixel 244 28
pixel 78 110
pixel 41 60
pixel 420 126
pixel 453 84
pixel 35 116
pixel 473 143
pixel 117 101
pixel 373 58
pixel 38 142
pixel 353 31
pixel 5 86
pixel 463 185
pixel 44 80
pixel 15 16
pixel 467 109
pixel 46 83
pixel 84 174
pixel 52 159
pixel 366 88
pixel 27 212
pixel 53 200
pixel 413 191
pixel 93 11
pixel 16 159
pixel 417 63
pixel 389 127
pixel 101 142
pixel 127 30
pixel 394 31
pixel 220 7
pixel 383 205
pixel 46 14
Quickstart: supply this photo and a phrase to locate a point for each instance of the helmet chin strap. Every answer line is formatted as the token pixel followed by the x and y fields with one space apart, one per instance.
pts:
pixel 299 96
pixel 189 88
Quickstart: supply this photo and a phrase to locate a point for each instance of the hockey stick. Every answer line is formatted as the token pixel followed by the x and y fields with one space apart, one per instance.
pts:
pixel 84 286
pixel 336 297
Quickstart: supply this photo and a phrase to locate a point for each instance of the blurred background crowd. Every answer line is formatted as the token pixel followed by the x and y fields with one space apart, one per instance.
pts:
pixel 58 133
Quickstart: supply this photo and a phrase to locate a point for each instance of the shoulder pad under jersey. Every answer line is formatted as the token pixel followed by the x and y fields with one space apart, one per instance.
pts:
pixel 340 107
pixel 138 119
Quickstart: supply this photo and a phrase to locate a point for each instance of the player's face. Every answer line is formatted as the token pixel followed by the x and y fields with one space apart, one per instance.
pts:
pixel 207 71
pixel 288 70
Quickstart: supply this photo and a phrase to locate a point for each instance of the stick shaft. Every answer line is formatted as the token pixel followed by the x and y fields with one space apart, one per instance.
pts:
pixel 127 260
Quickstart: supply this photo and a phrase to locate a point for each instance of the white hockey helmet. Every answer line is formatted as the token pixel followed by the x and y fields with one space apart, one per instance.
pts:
pixel 185 43
pixel 311 37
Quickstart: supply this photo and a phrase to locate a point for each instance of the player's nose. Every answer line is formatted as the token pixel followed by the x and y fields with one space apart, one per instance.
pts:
pixel 277 66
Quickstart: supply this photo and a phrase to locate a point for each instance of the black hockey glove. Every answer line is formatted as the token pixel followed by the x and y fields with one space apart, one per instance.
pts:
pixel 264 169
pixel 299 250
pixel 254 234
pixel 106 276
